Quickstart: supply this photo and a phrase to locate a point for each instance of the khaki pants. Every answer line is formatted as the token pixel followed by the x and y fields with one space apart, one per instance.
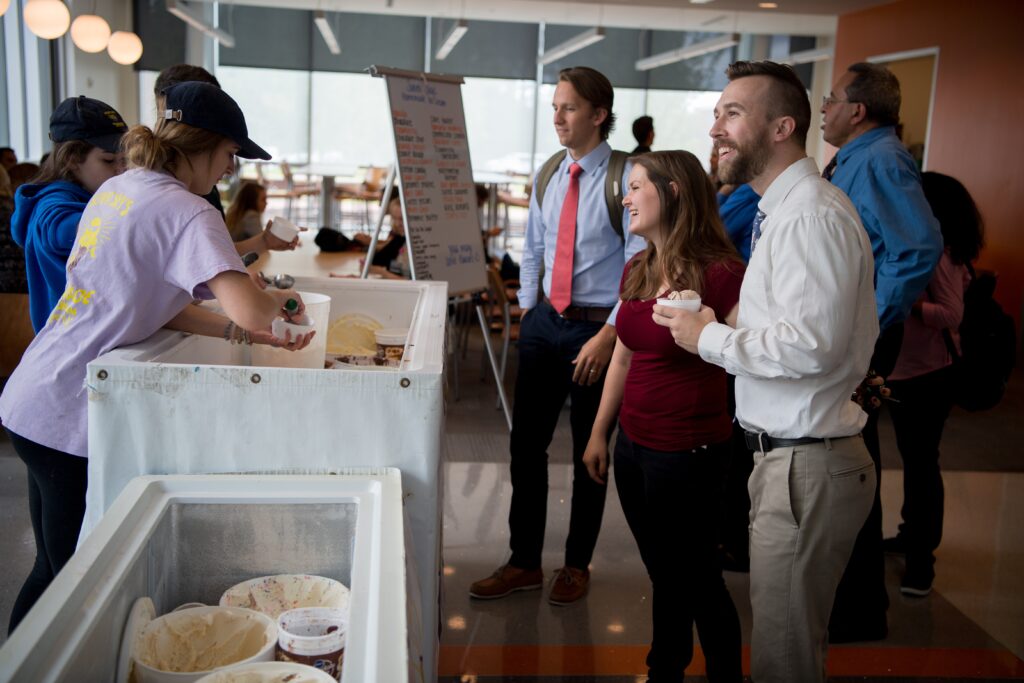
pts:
pixel 807 505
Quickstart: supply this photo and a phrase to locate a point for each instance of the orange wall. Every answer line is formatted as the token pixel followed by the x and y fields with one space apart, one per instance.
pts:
pixel 977 131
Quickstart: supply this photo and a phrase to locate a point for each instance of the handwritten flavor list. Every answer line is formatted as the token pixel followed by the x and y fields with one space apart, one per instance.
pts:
pixel 443 226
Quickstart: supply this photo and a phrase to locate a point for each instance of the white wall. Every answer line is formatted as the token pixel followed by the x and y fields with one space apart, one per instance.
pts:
pixel 97 75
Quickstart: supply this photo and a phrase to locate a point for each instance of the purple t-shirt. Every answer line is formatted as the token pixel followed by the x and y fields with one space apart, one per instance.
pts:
pixel 145 248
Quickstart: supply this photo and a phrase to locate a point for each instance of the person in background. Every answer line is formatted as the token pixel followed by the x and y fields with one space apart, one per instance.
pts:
pixel 805 333
pixel 245 214
pixel 146 247
pixel 674 424
pixel 921 381
pixel 86 134
pixel 389 257
pixel 20 174
pixel 643 131
pixel 880 177
pixel 575 256
pixel 8 158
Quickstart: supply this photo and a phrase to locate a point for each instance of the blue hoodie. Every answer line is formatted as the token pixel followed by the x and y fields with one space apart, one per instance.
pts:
pixel 44 224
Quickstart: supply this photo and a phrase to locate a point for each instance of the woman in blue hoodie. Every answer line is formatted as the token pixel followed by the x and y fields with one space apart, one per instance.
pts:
pixel 86 134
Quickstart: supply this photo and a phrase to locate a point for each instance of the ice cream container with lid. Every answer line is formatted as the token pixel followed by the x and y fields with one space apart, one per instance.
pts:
pixel 391 344
pixel 314 636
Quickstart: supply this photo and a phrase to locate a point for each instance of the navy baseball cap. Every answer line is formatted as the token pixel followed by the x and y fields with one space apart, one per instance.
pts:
pixel 206 106
pixel 83 118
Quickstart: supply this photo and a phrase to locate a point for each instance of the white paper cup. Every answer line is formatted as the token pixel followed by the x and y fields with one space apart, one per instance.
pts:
pixel 318 309
pixel 283 229
pixel 685 304
pixel 297 328
pixel 269 672
pixel 178 647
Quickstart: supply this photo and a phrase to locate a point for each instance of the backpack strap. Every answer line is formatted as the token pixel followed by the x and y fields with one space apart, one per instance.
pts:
pixel 613 190
pixel 545 174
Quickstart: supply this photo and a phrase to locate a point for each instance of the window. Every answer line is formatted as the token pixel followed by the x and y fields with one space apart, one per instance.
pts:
pixel 351 122
pixel 498 117
pixel 276 107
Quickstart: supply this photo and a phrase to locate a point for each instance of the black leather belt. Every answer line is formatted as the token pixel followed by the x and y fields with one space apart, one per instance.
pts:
pixel 762 443
pixel 597 314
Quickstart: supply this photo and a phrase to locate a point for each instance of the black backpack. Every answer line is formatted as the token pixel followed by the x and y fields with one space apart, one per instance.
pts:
pixel 988 343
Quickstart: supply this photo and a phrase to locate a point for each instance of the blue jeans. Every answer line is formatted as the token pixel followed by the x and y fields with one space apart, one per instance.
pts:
pixel 548 344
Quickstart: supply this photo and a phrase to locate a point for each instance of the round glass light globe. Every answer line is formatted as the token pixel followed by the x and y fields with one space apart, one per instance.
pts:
pixel 124 47
pixel 4 4
pixel 90 33
pixel 47 19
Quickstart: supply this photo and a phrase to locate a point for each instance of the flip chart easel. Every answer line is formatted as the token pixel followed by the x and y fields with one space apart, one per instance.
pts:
pixel 433 169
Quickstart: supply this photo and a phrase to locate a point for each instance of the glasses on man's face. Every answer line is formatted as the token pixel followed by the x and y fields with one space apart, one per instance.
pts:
pixel 829 100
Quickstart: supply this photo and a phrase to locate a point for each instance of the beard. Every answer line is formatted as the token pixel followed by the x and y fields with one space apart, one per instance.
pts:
pixel 748 161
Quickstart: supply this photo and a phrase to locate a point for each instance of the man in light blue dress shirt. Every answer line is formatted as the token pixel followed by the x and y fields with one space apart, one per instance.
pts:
pixel 881 178
pixel 564 354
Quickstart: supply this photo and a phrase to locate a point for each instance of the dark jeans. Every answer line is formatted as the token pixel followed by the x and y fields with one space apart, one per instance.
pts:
pixel 861 600
pixel 670 500
pixel 56 504
pixel 734 538
pixel 548 344
pixel 918 419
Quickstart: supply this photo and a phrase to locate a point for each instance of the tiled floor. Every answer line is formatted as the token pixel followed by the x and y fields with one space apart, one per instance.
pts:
pixel 971 628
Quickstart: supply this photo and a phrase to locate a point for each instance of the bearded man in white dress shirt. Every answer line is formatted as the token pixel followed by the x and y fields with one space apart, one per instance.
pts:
pixel 805 333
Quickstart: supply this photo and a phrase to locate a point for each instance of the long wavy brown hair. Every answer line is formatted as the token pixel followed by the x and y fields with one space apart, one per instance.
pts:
pixel 692 231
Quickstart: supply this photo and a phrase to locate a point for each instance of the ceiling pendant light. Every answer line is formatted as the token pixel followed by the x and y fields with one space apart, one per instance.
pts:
pixel 124 47
pixel 4 4
pixel 47 19
pixel 90 33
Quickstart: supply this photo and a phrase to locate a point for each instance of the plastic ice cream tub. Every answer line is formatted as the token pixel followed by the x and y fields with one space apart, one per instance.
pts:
pixel 318 311
pixel 391 344
pixel 314 636
pixel 184 646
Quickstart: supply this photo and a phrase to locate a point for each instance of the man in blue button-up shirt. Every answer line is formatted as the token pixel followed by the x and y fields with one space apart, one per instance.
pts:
pixel 879 175
pixel 564 354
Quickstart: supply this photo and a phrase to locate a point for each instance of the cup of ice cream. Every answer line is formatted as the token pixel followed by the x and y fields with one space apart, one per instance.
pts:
pixel 184 646
pixel 687 299
pixel 391 344
pixel 273 595
pixel 298 326
pixel 283 229
pixel 269 672
pixel 314 636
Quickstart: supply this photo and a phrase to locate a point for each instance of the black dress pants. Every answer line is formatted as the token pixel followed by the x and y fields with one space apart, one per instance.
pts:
pixel 919 418
pixel 670 501
pixel 56 503
pixel 548 344
pixel 858 612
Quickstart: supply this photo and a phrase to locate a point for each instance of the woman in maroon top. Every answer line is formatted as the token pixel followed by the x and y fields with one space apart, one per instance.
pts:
pixel 674 424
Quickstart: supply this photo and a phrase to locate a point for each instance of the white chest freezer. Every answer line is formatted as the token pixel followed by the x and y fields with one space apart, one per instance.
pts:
pixel 183 539
pixel 187 404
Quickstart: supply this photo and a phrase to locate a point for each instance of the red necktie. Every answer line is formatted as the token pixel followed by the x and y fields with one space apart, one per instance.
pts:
pixel 561 272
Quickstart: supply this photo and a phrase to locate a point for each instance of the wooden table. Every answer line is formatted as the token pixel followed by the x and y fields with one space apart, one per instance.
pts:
pixel 308 261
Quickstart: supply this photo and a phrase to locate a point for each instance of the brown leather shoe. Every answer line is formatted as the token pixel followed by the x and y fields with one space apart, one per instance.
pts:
pixel 570 584
pixel 506 579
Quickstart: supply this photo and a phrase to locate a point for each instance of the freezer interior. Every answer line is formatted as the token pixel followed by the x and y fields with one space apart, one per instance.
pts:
pixel 392 304
pixel 188 539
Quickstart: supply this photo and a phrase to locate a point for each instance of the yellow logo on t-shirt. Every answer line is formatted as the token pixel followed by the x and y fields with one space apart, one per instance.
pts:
pixel 66 310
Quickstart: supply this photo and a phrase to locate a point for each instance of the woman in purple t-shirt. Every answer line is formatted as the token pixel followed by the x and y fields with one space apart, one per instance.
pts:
pixel 147 245
pixel 674 424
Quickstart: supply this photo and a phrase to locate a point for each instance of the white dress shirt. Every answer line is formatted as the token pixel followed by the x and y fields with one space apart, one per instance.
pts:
pixel 807 321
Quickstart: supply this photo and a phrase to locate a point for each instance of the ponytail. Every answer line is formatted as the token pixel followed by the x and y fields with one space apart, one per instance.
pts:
pixel 166 146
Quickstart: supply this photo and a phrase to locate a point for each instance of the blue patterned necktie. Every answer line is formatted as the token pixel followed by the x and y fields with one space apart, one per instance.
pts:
pixel 755 230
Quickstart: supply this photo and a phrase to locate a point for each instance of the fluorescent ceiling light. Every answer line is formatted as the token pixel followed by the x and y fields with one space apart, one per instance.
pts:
pixel 818 54
pixel 452 39
pixel 181 10
pixel 574 44
pixel 320 19
pixel 688 52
